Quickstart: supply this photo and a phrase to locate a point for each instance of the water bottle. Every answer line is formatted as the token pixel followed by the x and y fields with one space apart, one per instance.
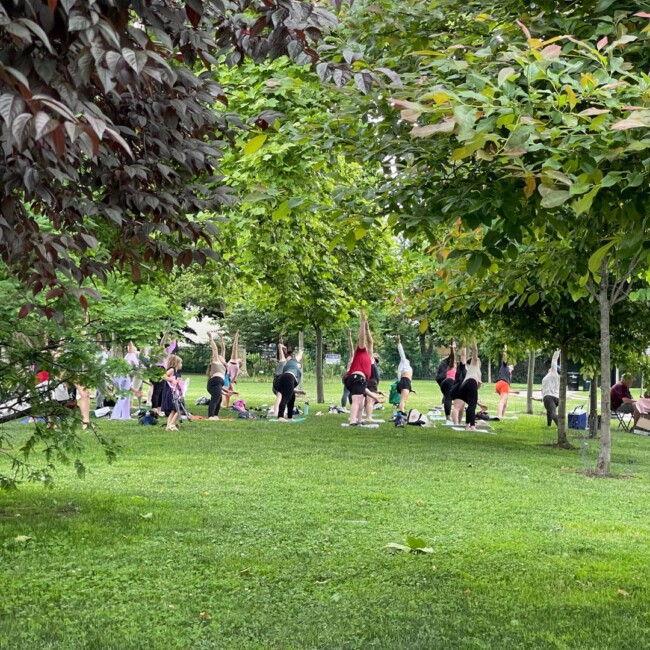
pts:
pixel 147 419
pixel 306 409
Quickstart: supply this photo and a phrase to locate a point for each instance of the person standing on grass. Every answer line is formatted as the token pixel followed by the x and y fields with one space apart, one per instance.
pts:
pixel 358 374
pixel 234 365
pixel 233 368
pixel 448 367
pixel 172 391
pixel 468 391
pixel 279 371
pixel 279 366
pixel 502 387
pixel 551 390
pixel 216 376
pixel 346 397
pixel 404 377
pixel 127 387
pixel 287 383
pixel 158 386
pixel 375 376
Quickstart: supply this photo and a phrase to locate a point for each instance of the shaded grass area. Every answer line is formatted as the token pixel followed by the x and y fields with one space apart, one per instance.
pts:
pixel 251 534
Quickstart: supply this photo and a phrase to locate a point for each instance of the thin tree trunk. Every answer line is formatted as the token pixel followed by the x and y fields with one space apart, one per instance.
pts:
pixel 423 356
pixel 605 455
pixel 320 388
pixel 531 381
pixel 489 371
pixel 593 406
pixel 562 440
pixel 430 354
pixel 244 366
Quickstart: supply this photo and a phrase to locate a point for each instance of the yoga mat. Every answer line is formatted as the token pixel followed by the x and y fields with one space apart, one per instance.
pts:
pixel 294 419
pixel 361 426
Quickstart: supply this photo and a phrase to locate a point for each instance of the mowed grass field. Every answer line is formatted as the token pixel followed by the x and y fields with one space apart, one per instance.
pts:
pixel 254 534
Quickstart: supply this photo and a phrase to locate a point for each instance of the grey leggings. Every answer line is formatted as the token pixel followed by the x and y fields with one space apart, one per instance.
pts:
pixel 550 404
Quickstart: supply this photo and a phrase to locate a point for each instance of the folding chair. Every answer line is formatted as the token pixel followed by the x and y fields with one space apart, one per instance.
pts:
pixel 623 421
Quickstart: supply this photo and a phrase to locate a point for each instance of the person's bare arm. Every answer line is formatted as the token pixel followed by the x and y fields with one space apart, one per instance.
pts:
pixel 351 343
pixel 369 340
pixel 213 347
pixel 362 331
pixel 474 353
pixel 504 355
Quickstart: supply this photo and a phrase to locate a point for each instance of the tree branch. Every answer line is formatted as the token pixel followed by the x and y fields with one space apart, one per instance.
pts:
pixel 619 294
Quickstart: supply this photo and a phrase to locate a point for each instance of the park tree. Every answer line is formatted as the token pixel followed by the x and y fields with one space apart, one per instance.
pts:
pixel 111 141
pixel 522 123
pixel 284 243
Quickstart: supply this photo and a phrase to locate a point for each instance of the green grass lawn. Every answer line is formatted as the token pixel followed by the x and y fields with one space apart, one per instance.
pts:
pixel 252 534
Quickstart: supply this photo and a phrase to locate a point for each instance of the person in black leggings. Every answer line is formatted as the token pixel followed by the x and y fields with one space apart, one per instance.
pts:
pixel 468 391
pixel 447 383
pixel 217 374
pixel 287 383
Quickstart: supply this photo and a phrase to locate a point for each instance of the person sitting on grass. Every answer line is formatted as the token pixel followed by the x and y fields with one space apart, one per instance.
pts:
pixel 621 399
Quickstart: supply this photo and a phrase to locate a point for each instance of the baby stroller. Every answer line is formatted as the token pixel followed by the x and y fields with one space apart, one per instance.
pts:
pixel 178 399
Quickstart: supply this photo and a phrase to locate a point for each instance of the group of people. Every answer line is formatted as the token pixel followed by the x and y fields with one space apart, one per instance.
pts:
pixel 163 395
pixel 458 376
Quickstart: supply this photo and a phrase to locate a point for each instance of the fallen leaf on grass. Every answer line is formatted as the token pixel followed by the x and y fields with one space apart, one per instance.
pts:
pixel 149 515
pixel 408 549
pixel 245 573
pixel 622 592
pixel 204 617
pixel 22 539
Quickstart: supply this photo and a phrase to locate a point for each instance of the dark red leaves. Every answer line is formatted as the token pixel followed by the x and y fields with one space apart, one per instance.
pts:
pixel 24 310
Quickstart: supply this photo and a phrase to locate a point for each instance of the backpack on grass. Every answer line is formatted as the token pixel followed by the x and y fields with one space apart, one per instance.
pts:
pixel 415 418
pixel 394 396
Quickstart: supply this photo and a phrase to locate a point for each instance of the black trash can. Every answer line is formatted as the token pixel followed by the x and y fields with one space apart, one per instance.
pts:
pixel 573 381
pixel 586 384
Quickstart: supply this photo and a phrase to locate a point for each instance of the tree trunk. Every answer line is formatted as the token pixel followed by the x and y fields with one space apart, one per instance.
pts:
pixel 593 406
pixel 244 367
pixel 489 371
pixel 605 455
pixel 423 356
pixel 562 440
pixel 531 381
pixel 320 388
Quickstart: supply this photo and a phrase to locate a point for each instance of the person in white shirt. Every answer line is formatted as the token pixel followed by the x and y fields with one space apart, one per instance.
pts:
pixel 551 390
pixel 404 376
